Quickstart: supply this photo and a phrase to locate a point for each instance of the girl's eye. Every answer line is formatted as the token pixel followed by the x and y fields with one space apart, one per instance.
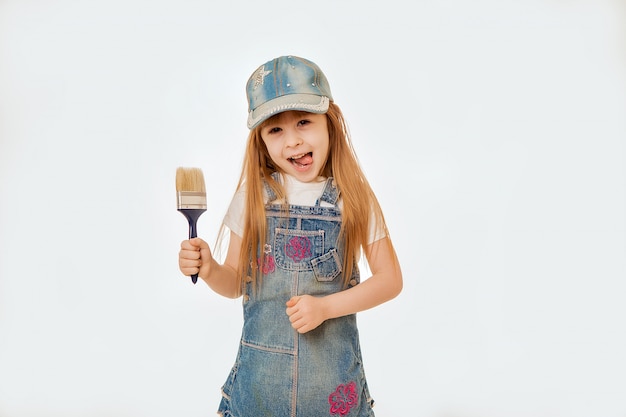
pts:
pixel 304 122
pixel 273 130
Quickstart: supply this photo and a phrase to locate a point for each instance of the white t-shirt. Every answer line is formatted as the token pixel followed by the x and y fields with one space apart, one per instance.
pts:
pixel 299 194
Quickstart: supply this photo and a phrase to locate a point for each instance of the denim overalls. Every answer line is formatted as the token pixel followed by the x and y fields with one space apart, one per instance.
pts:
pixel 279 372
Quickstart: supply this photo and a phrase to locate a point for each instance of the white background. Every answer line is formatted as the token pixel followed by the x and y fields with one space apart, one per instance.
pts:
pixel 493 132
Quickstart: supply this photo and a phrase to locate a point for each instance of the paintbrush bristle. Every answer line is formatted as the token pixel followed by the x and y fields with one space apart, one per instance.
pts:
pixel 190 179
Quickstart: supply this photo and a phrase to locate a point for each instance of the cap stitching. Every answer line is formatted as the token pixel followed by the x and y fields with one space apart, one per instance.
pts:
pixel 322 106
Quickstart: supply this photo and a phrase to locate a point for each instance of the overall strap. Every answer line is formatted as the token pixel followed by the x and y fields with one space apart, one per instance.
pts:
pixel 269 193
pixel 330 194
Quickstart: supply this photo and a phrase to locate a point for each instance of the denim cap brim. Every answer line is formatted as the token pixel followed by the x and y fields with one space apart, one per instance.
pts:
pixel 302 102
pixel 286 83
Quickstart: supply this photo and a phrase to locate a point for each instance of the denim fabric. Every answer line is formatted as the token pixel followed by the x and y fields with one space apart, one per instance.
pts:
pixel 286 83
pixel 279 372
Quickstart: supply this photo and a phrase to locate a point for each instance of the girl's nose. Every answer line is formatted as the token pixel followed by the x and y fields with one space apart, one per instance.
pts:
pixel 293 139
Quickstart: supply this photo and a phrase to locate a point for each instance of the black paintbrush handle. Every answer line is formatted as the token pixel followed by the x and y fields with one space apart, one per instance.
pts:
pixel 192 216
pixel 193 232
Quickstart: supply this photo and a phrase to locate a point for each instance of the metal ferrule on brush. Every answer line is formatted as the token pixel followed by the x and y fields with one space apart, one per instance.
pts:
pixel 191 200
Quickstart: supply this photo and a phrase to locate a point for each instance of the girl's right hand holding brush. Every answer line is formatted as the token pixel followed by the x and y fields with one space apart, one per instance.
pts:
pixel 195 257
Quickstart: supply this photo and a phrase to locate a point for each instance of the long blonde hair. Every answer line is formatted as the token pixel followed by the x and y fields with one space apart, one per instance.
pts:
pixel 342 164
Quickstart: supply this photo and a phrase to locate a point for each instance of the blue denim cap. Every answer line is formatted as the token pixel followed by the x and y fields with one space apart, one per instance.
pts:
pixel 286 83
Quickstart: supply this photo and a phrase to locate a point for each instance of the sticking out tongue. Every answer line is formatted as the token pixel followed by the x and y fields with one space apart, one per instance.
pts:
pixel 305 160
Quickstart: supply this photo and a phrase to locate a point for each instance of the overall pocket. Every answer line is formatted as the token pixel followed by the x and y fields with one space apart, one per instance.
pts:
pixel 327 267
pixel 294 249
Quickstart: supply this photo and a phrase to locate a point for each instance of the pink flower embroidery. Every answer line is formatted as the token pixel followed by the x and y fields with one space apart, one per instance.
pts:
pixel 343 399
pixel 268 264
pixel 298 248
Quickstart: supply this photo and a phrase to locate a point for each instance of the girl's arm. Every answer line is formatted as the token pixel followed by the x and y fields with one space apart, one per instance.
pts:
pixel 195 258
pixel 307 312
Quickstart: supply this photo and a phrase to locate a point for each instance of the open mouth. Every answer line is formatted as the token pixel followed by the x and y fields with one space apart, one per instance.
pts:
pixel 302 160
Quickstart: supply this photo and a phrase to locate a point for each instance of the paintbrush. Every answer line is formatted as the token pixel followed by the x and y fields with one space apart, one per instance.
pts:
pixel 191 199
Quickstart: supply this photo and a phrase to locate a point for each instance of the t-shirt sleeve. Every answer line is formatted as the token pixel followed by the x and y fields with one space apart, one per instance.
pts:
pixel 234 216
pixel 376 230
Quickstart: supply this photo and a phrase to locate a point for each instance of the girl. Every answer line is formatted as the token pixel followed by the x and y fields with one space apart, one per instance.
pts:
pixel 301 215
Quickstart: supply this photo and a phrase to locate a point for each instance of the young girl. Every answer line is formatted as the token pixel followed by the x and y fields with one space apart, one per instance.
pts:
pixel 301 215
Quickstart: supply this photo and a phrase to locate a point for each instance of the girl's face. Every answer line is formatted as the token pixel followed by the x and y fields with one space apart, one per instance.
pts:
pixel 298 143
